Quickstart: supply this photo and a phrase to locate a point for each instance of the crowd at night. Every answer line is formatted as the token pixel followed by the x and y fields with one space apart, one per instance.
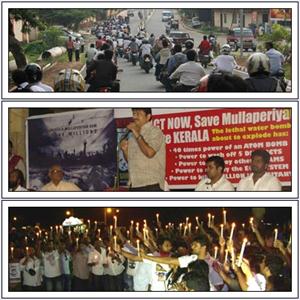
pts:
pixel 143 249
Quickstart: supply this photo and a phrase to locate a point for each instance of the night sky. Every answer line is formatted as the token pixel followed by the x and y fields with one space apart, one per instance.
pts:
pixel 55 215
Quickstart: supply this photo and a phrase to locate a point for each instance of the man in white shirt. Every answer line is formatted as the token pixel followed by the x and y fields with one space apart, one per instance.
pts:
pixel 216 180
pixel 259 179
pixel 189 73
pixel 57 184
pixel 96 260
pixel 52 271
pixel 90 54
pixel 65 264
pixel 30 266
pixel 276 59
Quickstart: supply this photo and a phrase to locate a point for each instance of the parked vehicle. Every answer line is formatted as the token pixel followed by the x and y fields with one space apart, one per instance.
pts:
pixel 196 22
pixel 167 15
pixel 179 37
pixel 233 39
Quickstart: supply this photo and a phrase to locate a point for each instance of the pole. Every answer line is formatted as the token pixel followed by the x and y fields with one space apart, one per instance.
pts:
pixel 241 28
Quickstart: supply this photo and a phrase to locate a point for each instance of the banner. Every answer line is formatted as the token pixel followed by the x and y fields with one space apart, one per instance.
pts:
pixel 281 14
pixel 83 143
pixel 193 136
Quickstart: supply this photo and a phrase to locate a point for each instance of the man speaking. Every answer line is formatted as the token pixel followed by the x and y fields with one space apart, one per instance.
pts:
pixel 144 150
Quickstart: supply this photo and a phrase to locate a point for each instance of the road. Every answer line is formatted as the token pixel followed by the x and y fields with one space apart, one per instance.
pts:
pixel 133 78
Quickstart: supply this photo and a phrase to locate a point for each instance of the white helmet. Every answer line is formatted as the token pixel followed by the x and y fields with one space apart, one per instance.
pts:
pixel 225 49
pixel 258 63
pixel 69 80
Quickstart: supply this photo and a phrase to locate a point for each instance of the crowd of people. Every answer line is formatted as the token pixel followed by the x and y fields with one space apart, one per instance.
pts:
pixel 179 67
pixel 190 256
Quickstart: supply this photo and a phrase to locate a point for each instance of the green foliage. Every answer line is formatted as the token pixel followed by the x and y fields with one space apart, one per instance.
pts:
pixel 35 47
pixel 281 38
pixel 52 37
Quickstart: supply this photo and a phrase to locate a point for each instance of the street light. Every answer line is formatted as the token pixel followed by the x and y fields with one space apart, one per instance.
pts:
pixel 68 213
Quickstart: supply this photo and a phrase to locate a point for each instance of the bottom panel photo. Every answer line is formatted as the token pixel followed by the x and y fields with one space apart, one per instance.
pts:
pixel 150 249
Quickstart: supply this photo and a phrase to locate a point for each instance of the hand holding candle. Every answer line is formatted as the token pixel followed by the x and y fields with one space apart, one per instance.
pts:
pixel 242 252
pixel 231 232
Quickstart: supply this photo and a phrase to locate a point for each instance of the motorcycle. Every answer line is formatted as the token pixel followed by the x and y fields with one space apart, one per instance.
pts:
pixel 282 81
pixel 146 63
pixel 127 54
pixel 134 58
pixel 204 59
pixel 120 51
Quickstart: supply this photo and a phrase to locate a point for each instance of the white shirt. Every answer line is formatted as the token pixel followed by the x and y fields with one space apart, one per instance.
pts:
pixel 35 264
pixel 142 276
pixel 51 261
pixel 98 258
pixel 114 267
pixel 77 45
pixel 188 73
pixel 267 182
pixel 41 87
pixel 90 54
pixel 225 63
pixel 126 44
pixel 63 186
pixel 222 184
pixel 146 49
pixel 257 283
pixel 158 275
pixel 19 189
pixel 65 259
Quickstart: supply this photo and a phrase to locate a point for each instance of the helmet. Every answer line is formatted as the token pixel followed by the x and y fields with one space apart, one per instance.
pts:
pixel 69 80
pixel 225 49
pixel 34 73
pixel 258 63
pixel 189 44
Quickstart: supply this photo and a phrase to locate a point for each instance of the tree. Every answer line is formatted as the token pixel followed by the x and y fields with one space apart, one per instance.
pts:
pixel 29 20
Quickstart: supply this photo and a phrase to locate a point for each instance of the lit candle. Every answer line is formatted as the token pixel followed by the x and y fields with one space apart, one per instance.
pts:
pixel 12 252
pixel 243 225
pixel 77 242
pixel 251 223
pixel 212 220
pixel 156 230
pixel 128 233
pixel 197 220
pixel 144 234
pixel 222 231
pixel 26 239
pixel 275 234
pixel 27 250
pixel 115 242
pixel 61 229
pixel 137 227
pixel 56 229
pixel 147 234
pixel 226 256
pixel 131 223
pixel 99 231
pixel 224 217
pixel 242 252
pixel 186 221
pixel 145 223
pixel 185 229
pixel 190 228
pixel 89 223
pixel 232 257
pixel 231 232
pixel 128 242
pixel 290 240
pixel 110 230
pixel 209 222
pixel 51 229
pixel 37 235
pixel 138 247
pixel 157 218
pixel 180 227
pixel 108 249
pixel 197 228
pixel 216 252
pixel 96 224
pixel 116 221
pixel 69 233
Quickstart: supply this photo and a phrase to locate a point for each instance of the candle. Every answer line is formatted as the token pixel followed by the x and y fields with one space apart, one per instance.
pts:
pixel 115 221
pixel 131 223
pixel 27 250
pixel 69 233
pixel 231 232
pixel 185 229
pixel 95 227
pixel 232 257
pixel 147 234
pixel 156 230
pixel 243 225
pixel 242 252
pixel 224 217
pixel 61 229
pixel 212 220
pixel 157 218
pixel 26 238
pixel 144 234
pixel 186 221
pixel 137 227
pixel 209 222
pixel 138 247
pixel 115 243
pixel 197 228
pixel 89 223
pixel 216 252
pixel 197 220
pixel 226 256
pixel 12 252
pixel 290 240
pixel 110 230
pixel 190 228
pixel 128 242
pixel 222 231
pixel 145 223
pixel 37 235
pixel 180 227
pixel 128 233
pixel 275 234
pixel 77 241
pixel 251 223
pixel 56 229
pixel 99 231
pixel 108 249
pixel 51 229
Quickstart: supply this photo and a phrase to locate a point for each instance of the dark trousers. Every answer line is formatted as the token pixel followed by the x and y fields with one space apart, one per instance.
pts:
pixel 77 55
pixel 53 284
pixel 115 283
pixel 70 54
pixel 80 284
pixel 28 288
pixel 152 187
pixel 97 282
pixel 67 282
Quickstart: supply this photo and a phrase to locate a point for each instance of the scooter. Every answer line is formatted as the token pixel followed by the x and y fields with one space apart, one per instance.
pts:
pixel 146 63
pixel 134 58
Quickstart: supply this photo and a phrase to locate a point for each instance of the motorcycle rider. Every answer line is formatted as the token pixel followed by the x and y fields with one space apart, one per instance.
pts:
pixel 133 46
pixel 34 75
pixel 145 49
pixel 161 58
pixel 225 63
pixel 276 59
pixel 260 80
pixel 189 73
pixel 69 80
pixel 204 47
pixel 189 45
pixel 90 54
pixel 105 73
pixel 152 39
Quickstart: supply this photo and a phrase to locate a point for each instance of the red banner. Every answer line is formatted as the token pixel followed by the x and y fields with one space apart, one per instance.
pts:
pixel 192 137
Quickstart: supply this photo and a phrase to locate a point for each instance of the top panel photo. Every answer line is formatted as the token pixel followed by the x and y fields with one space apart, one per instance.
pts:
pixel 198 48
